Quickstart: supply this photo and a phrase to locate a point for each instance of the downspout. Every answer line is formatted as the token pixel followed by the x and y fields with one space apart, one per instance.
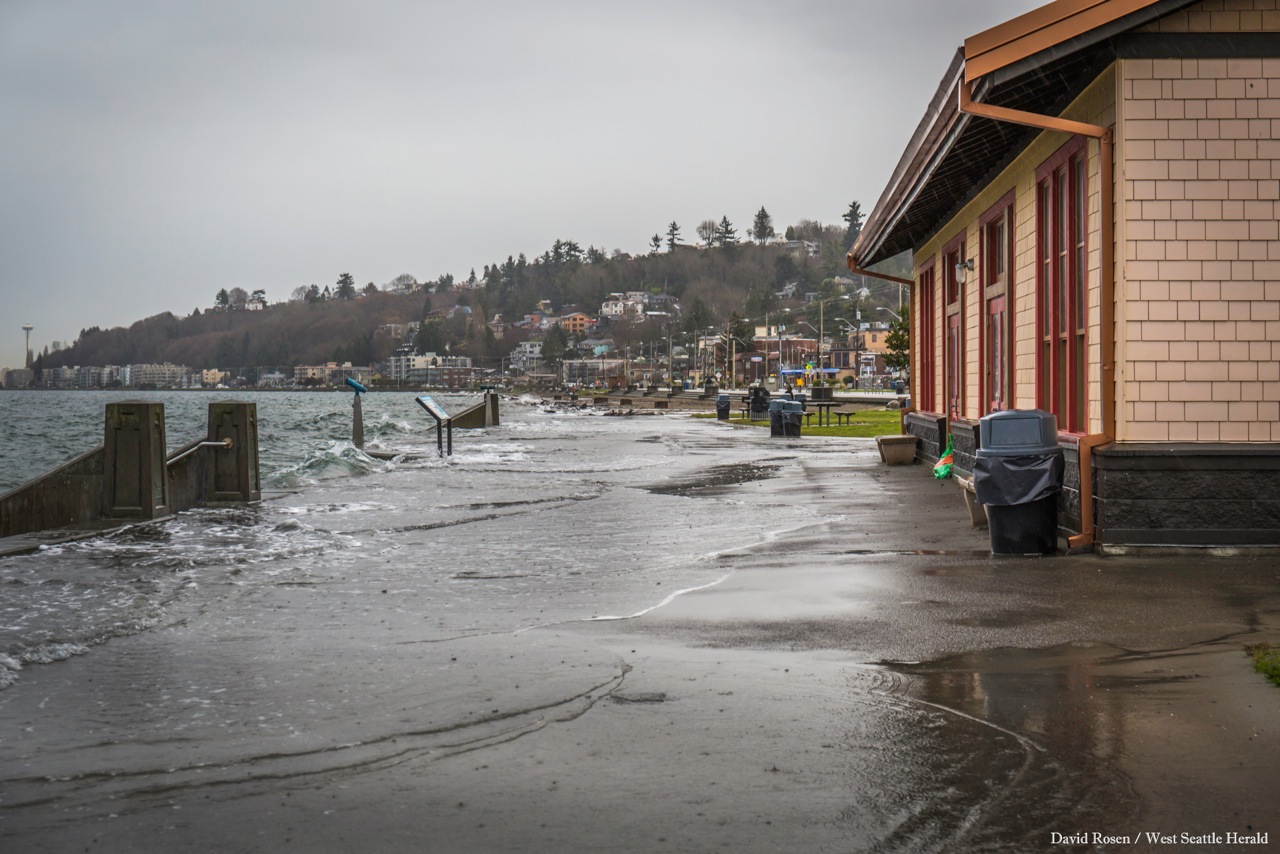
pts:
pixel 1106 309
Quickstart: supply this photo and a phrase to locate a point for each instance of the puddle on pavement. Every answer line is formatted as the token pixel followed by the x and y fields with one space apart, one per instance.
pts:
pixel 1070 706
pixel 713 480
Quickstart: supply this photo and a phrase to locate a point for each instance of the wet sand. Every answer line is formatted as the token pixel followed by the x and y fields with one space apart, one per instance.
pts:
pixel 877 682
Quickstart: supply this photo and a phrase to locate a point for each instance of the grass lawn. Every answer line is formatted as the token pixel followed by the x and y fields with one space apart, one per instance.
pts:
pixel 872 422
pixel 1266 660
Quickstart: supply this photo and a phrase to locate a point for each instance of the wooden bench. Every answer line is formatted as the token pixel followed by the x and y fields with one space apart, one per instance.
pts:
pixel 977 512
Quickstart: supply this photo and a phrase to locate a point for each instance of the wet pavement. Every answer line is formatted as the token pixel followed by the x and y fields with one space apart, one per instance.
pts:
pixel 874 680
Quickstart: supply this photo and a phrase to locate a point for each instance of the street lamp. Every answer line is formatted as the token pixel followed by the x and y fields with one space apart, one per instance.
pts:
pixel 822 371
pixel 891 311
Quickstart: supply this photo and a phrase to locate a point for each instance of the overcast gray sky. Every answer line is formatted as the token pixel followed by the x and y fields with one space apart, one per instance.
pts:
pixel 156 151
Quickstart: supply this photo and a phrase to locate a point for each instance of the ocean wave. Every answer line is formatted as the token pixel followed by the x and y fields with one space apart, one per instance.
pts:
pixel 339 459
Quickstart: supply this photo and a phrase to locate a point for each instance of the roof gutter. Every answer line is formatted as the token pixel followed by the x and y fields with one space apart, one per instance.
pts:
pixel 848 260
pixel 1106 275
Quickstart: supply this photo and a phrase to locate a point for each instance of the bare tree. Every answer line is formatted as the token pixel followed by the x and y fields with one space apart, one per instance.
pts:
pixel 707 230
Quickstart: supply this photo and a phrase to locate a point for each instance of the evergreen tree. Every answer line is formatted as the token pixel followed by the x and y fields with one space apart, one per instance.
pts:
pixel 726 234
pixel 655 244
pixel 762 229
pixel 346 287
pixel 673 236
pixel 223 299
pixel 429 338
pixel 898 341
pixel 854 218
pixel 554 345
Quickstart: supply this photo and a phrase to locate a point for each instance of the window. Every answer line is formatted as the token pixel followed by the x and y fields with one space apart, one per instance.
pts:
pixel 996 229
pixel 925 314
pixel 953 255
pixel 1061 294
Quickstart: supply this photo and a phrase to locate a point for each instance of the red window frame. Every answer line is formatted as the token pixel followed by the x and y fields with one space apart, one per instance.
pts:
pixel 925 313
pixel 953 253
pixel 995 229
pixel 1062 228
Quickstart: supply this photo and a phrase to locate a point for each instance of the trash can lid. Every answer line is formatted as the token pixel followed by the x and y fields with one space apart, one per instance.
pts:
pixel 1018 432
pixel 792 406
pixel 722 398
pixel 776 405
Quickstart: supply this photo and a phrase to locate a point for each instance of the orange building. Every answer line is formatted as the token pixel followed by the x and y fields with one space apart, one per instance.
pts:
pixel 576 323
pixel 1091 203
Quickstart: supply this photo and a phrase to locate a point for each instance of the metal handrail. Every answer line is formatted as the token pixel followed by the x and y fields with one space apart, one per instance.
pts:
pixel 221 443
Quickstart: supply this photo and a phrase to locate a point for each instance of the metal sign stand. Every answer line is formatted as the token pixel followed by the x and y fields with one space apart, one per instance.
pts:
pixel 442 421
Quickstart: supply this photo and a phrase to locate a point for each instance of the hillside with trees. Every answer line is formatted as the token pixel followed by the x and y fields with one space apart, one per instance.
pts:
pixel 726 276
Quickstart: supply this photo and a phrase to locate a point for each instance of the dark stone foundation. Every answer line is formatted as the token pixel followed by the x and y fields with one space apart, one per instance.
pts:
pixel 1194 494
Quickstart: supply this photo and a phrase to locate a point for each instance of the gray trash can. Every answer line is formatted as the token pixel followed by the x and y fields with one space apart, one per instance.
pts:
pixel 792 411
pixel 722 407
pixel 1018 475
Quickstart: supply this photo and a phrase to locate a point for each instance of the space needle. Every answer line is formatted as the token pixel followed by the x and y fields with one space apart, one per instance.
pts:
pixel 27 327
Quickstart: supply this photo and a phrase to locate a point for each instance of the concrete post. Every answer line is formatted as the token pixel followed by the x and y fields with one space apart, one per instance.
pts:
pixel 491 399
pixel 232 473
pixel 135 484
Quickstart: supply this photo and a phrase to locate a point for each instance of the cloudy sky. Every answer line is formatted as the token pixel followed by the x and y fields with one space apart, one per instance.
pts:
pixel 154 152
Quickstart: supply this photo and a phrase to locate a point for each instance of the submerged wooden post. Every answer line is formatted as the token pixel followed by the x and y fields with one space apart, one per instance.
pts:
pixel 232 473
pixel 357 423
pixel 134 483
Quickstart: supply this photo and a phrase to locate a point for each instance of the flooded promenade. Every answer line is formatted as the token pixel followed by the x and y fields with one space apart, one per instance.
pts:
pixel 629 634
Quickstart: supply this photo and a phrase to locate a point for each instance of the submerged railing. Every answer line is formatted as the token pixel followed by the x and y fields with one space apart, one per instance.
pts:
pixel 131 477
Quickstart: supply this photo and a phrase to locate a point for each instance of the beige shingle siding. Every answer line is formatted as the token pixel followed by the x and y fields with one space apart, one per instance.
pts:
pixel 1199 247
pixel 1221 16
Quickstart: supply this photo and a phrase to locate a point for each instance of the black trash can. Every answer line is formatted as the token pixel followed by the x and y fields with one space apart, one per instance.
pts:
pixel 776 421
pixel 722 407
pixel 758 401
pixel 1017 474
pixel 791 413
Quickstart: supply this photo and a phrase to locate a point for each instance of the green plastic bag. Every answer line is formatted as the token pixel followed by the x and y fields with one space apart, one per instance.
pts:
pixel 942 468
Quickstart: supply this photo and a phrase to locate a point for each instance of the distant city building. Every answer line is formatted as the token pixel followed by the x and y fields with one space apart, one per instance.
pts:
pixel 330 373
pixel 154 376
pixel 526 354
pixel 19 378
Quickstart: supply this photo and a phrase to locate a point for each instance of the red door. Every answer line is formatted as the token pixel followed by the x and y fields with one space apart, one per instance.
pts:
pixel 997 355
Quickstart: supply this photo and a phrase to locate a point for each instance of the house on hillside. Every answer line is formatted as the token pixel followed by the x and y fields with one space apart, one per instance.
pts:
pixel 576 323
pixel 1091 204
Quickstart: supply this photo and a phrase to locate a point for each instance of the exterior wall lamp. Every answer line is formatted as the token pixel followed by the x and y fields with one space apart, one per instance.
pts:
pixel 962 269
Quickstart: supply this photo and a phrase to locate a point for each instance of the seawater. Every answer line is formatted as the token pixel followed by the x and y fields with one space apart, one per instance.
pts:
pixel 558 514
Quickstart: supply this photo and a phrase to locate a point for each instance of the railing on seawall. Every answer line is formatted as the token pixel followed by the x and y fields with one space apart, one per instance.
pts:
pixel 130 476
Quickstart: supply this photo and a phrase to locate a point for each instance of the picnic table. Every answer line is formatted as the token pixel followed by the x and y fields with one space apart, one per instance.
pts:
pixel 824 408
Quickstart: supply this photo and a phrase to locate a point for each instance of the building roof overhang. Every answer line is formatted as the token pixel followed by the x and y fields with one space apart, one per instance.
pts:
pixel 1038 62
